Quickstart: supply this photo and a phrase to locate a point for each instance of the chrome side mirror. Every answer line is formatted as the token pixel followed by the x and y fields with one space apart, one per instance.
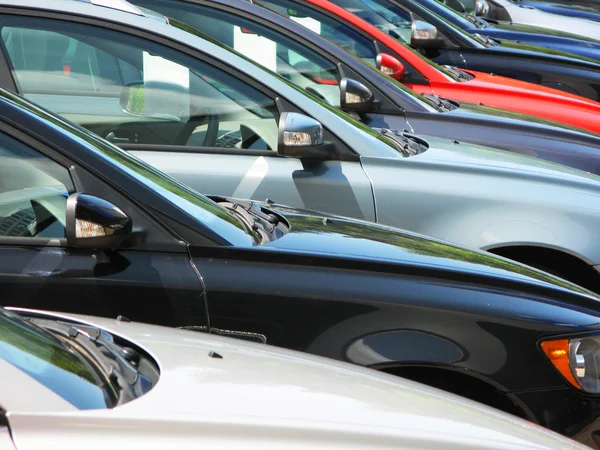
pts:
pixel 482 8
pixel 302 137
pixel 424 34
pixel 95 223
pixel 355 96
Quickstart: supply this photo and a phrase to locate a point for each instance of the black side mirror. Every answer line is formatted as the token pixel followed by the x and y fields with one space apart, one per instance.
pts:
pixel 301 137
pixel 425 35
pixel 355 96
pixel 95 223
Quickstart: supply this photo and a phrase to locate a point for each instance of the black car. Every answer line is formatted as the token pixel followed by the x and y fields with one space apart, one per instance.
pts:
pixel 455 46
pixel 88 228
pixel 393 106
pixel 498 25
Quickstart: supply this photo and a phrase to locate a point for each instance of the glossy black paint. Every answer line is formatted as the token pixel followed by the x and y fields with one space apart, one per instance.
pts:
pixel 401 109
pixel 498 26
pixel 566 61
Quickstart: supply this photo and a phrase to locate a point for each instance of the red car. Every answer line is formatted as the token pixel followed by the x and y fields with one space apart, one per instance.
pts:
pixel 425 77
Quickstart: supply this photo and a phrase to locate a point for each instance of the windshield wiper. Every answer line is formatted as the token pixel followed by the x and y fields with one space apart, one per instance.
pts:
pixel 457 73
pixel 477 21
pixel 116 364
pixel 405 144
pixel 441 104
pixel 267 225
pixel 485 40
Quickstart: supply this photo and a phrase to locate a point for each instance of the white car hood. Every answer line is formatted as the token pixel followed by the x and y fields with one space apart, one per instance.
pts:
pixel 529 15
pixel 259 396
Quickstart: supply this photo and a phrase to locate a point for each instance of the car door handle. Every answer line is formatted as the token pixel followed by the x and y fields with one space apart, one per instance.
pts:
pixel 111 137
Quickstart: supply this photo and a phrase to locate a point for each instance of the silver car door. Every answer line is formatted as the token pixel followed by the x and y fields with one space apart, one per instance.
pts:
pixel 339 187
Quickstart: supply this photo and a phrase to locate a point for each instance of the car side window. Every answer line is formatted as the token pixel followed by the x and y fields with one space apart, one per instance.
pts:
pixel 337 32
pixel 132 91
pixel 269 48
pixel 382 14
pixel 33 192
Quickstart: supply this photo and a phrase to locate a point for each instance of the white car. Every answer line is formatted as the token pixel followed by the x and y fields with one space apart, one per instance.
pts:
pixel 78 382
pixel 528 15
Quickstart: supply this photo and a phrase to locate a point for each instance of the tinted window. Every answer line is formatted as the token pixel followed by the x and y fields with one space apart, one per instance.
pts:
pixel 51 362
pixel 384 15
pixel 338 33
pixel 273 50
pixel 133 91
pixel 33 192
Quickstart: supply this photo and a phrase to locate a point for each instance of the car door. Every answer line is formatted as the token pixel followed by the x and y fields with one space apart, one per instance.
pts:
pixel 209 127
pixel 38 269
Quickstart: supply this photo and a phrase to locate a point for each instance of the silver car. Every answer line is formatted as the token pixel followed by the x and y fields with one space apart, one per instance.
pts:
pixel 71 382
pixel 223 125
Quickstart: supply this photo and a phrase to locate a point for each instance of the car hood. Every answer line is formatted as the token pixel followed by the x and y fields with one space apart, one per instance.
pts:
pixel 527 124
pixel 508 28
pixel 245 395
pixel 538 52
pixel 562 44
pixel 343 242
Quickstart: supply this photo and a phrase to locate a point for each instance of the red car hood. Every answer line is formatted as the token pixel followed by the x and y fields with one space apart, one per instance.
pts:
pixel 520 97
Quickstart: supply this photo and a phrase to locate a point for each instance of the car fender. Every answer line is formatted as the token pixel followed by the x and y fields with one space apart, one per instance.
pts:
pixel 485 207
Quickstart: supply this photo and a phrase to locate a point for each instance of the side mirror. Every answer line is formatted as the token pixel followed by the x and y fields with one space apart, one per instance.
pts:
pixel 155 99
pixel 423 34
pixel 355 96
pixel 390 66
pixel 132 98
pixel 95 223
pixel 301 137
pixel 482 8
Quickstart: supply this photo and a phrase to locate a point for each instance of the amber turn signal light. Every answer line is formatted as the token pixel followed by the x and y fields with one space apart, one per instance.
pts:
pixel 558 354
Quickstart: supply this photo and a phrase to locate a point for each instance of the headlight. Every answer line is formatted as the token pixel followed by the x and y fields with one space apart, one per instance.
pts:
pixel 578 360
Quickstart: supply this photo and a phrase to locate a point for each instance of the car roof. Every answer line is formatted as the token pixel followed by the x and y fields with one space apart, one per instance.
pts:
pixel 120 5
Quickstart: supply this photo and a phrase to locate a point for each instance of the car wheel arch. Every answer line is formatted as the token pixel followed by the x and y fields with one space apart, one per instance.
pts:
pixel 460 381
pixel 558 261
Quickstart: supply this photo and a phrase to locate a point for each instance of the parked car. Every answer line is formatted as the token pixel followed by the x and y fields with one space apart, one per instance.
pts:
pixel 70 379
pixel 581 9
pixel 315 64
pixel 374 46
pixel 516 12
pixel 88 228
pixel 155 106
pixel 387 105
pixel 471 46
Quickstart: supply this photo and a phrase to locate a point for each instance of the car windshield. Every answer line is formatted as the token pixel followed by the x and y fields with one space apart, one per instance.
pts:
pixel 342 115
pixel 392 20
pixel 454 20
pixel 52 362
